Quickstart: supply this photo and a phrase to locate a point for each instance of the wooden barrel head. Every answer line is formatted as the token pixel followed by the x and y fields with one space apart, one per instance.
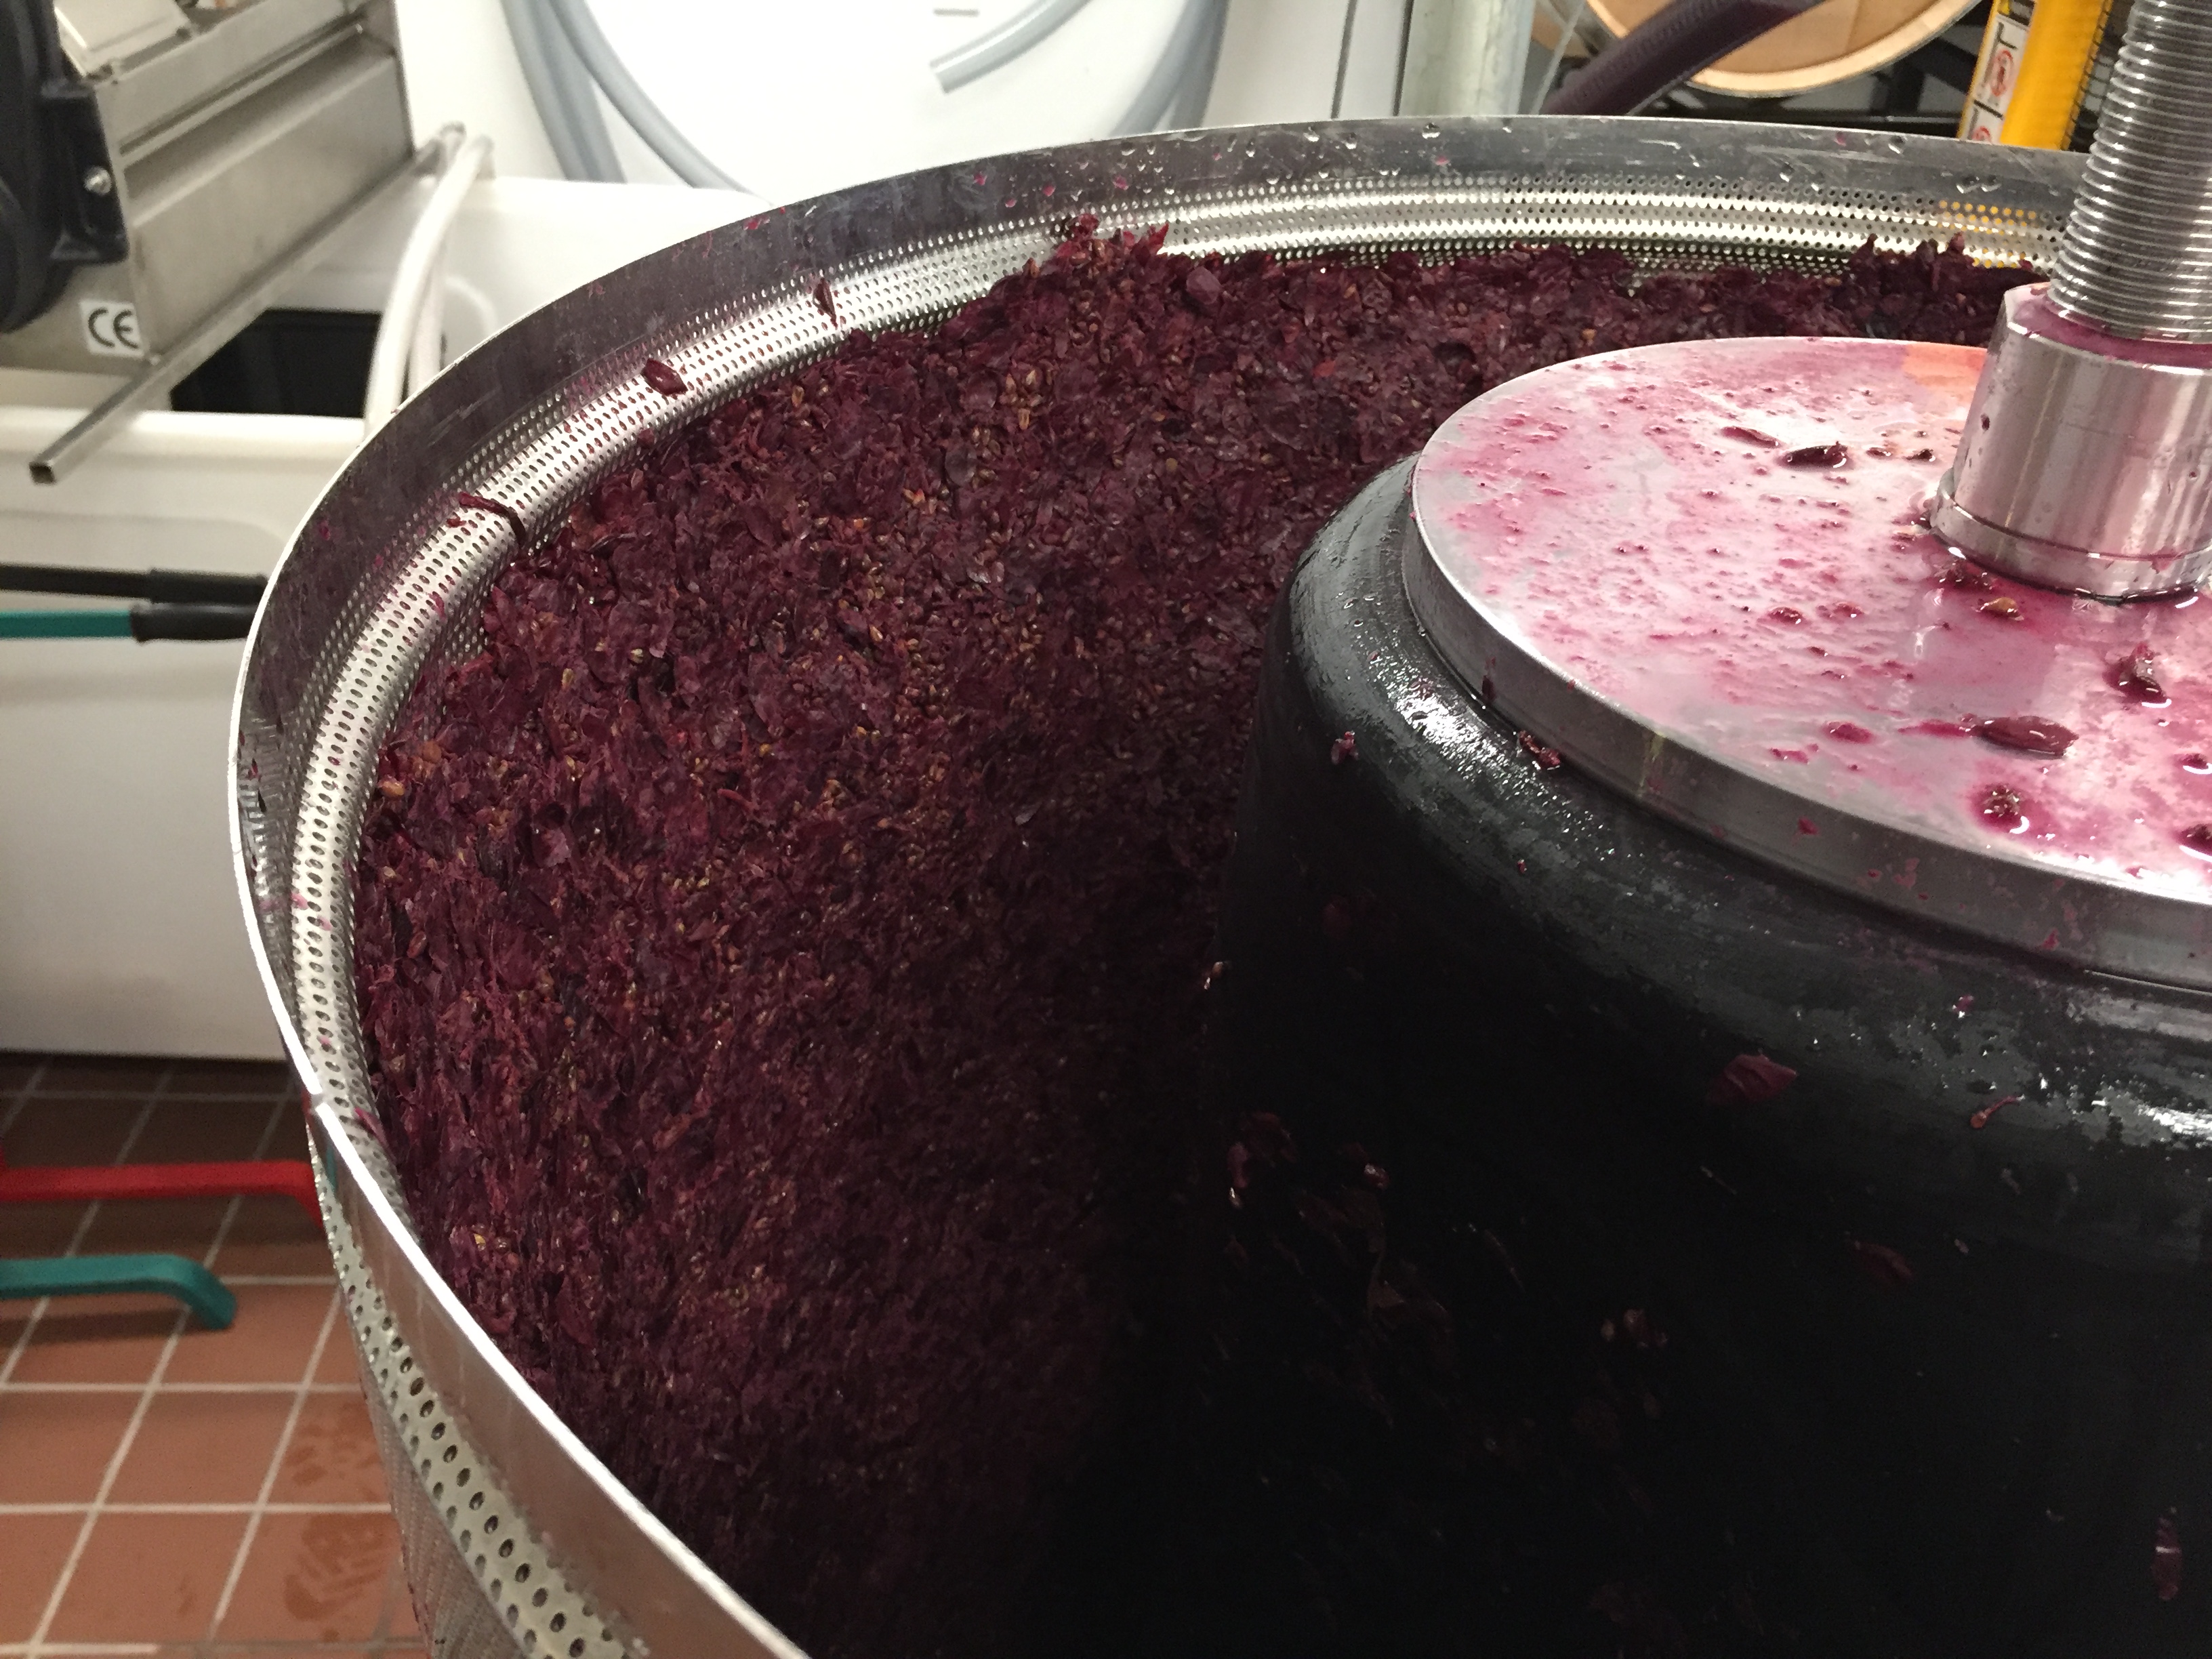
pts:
pixel 1833 41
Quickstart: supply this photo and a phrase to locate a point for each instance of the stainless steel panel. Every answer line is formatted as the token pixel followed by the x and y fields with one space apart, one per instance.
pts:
pixel 578 1514
pixel 55 339
pixel 230 47
pixel 161 371
pixel 229 198
pixel 98 34
pixel 453 1514
pixel 244 142
pixel 377 585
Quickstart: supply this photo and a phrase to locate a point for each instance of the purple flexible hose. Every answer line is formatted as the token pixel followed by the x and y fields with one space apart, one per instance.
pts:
pixel 1665 50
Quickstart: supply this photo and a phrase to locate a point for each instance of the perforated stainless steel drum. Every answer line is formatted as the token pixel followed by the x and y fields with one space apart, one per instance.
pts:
pixel 518 1540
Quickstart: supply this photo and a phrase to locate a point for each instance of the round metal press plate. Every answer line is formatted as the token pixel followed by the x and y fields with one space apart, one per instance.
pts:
pixel 1699 571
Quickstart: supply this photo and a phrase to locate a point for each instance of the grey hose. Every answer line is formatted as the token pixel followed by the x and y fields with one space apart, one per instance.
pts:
pixel 1189 108
pixel 580 100
pixel 997 48
pixel 629 99
pixel 1184 76
pixel 561 92
pixel 538 75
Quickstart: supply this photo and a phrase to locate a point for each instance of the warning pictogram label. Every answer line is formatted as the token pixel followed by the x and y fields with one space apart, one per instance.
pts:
pixel 1995 75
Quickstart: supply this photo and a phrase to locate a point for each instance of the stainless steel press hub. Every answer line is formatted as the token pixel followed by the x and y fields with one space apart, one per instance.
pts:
pixel 2087 458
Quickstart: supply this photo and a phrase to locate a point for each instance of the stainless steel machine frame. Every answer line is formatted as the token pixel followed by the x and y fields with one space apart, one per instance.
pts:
pixel 518 1540
pixel 240 142
pixel 230 144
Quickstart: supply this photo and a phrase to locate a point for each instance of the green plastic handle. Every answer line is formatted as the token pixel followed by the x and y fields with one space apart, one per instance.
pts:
pixel 102 1275
pixel 64 624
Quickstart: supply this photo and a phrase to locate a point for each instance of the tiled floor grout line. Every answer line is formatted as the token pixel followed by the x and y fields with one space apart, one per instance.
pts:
pixel 23 1093
pixel 403 1649
pixel 196 1509
pixel 152 1383
pixel 139 1413
pixel 81 1523
pixel 231 1097
pixel 177 1388
pixel 84 1226
pixel 261 1501
pixel 259 1097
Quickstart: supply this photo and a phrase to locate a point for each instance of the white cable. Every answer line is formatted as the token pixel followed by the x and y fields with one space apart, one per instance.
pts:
pixel 403 305
pixel 426 353
pixel 426 350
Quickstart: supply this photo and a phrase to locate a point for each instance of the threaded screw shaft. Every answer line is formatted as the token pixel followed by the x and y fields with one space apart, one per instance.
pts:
pixel 2137 253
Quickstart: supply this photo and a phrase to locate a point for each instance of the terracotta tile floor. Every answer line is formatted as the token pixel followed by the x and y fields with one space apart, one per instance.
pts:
pixel 167 1491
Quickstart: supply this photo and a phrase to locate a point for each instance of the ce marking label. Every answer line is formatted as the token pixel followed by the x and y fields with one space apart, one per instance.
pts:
pixel 110 328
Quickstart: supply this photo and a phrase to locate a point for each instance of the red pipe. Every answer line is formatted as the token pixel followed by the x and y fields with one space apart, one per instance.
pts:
pixel 256 1178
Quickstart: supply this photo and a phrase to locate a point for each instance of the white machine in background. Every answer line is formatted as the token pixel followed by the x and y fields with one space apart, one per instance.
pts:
pixel 793 100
